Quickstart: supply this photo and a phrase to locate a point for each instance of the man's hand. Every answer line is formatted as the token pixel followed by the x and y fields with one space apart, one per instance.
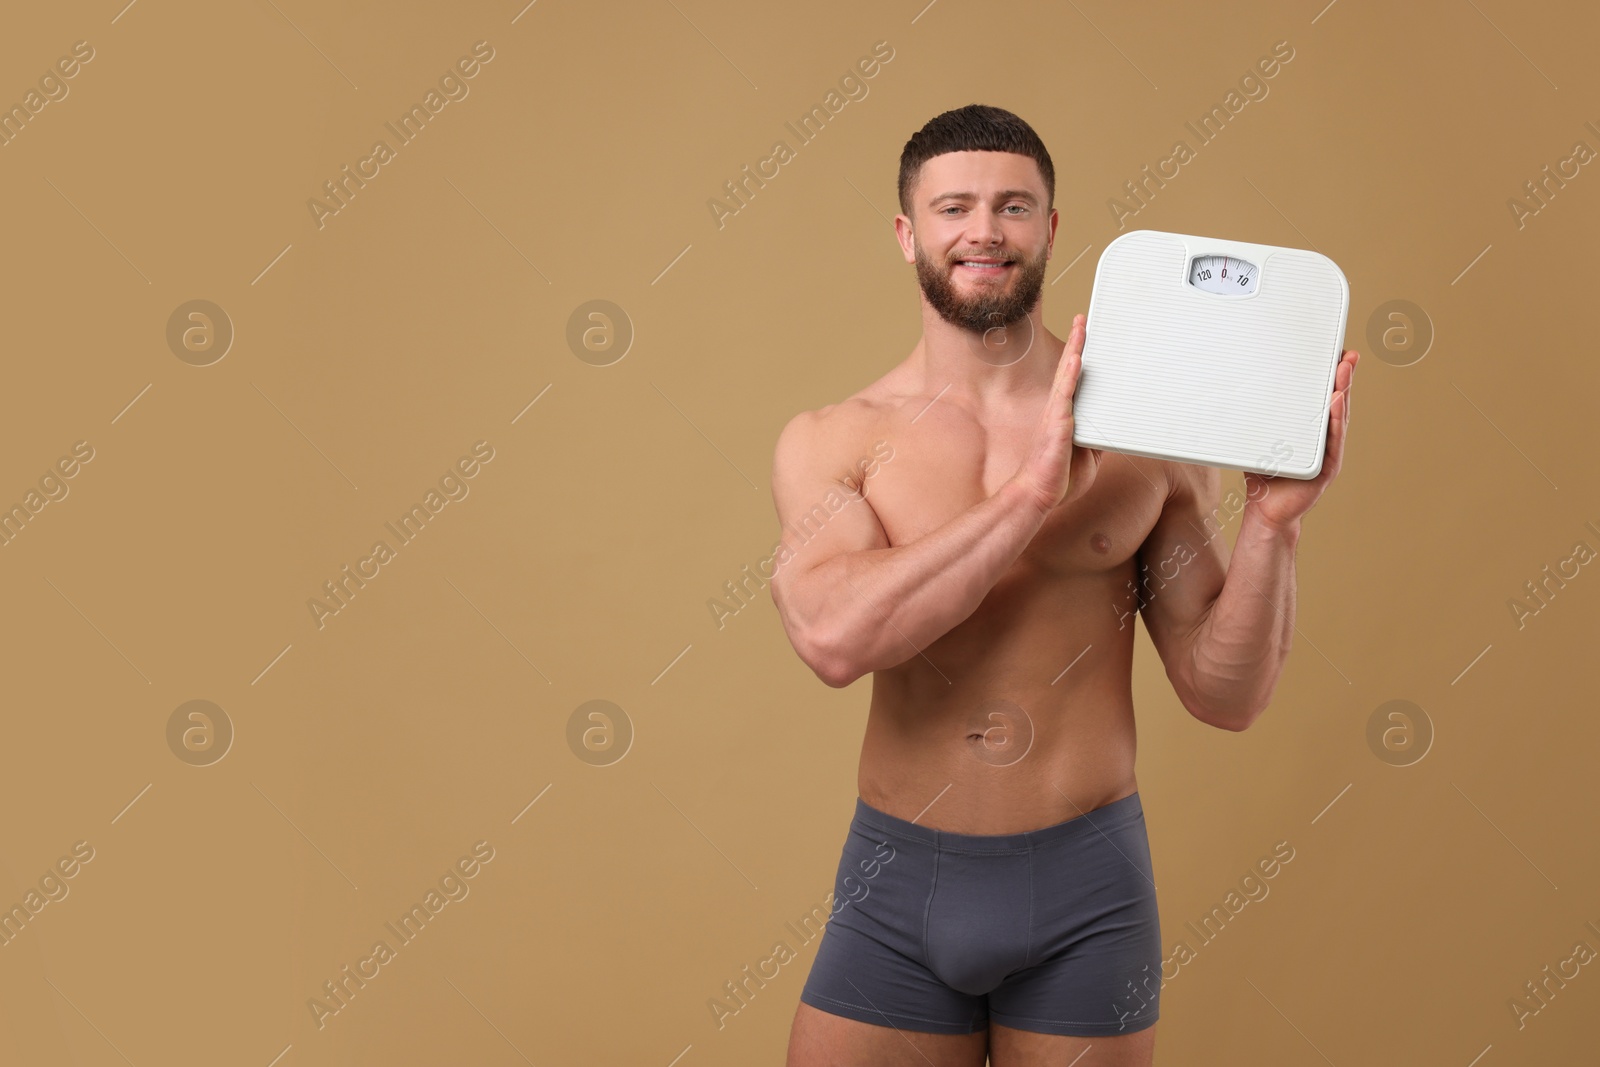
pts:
pixel 1283 501
pixel 1054 471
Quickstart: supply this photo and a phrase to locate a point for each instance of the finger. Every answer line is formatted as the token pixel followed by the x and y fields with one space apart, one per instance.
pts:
pixel 1335 454
pixel 1073 356
pixel 1072 349
pixel 1081 471
pixel 1094 457
pixel 1334 433
pixel 1060 402
pixel 1355 357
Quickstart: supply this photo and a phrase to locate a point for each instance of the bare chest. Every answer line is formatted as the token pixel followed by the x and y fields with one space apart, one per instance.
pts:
pixel 944 464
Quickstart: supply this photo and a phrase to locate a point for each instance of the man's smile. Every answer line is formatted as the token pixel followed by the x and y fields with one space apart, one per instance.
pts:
pixel 984 267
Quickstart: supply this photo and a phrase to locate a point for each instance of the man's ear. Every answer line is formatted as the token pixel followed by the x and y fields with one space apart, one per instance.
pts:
pixel 908 238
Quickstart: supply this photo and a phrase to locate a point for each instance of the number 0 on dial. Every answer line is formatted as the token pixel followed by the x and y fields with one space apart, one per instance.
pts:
pixel 1223 274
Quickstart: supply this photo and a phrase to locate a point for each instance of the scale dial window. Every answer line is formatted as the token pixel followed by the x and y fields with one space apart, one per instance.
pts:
pixel 1225 275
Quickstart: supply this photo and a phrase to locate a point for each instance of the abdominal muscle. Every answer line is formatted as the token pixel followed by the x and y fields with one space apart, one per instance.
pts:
pixel 982 733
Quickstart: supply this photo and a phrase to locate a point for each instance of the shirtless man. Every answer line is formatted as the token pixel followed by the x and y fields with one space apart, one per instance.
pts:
pixel 995 895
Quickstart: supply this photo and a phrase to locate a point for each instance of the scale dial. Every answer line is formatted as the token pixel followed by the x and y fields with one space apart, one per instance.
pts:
pixel 1223 274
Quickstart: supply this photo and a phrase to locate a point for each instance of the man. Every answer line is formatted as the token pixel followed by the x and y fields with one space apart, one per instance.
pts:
pixel 1003 903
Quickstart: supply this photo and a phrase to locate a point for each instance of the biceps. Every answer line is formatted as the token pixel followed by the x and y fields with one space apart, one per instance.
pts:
pixel 813 534
pixel 821 521
pixel 822 518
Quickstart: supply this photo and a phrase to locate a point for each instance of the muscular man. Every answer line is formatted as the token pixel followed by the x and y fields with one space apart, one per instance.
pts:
pixel 995 894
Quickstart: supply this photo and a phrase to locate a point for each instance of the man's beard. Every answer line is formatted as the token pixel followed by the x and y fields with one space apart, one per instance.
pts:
pixel 993 305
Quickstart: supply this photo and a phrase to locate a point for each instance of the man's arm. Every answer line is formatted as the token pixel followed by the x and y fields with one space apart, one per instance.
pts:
pixel 1223 627
pixel 1222 621
pixel 850 602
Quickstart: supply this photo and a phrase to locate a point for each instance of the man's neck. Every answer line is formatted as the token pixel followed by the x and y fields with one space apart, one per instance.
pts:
pixel 993 368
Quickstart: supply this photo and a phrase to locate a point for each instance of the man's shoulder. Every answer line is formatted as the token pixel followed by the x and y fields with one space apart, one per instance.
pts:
pixel 839 423
pixel 854 413
pixel 1188 494
pixel 1192 481
pixel 836 435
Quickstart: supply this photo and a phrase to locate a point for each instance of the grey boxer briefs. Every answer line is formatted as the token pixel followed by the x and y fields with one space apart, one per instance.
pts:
pixel 1052 930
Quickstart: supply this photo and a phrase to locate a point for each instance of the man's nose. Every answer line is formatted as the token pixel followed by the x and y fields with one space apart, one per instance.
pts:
pixel 983 229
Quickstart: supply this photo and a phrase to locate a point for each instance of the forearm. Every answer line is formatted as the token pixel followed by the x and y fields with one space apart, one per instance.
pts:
pixel 887 605
pixel 1239 650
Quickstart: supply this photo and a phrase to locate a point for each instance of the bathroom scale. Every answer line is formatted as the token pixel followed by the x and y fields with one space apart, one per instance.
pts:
pixel 1210 351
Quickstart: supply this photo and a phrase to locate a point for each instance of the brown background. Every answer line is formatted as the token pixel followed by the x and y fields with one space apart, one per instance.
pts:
pixel 370 754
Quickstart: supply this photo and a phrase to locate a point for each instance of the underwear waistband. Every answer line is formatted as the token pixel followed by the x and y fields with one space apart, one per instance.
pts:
pixel 1106 817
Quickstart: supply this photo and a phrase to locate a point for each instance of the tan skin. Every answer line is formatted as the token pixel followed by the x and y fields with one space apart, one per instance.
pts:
pixel 987 555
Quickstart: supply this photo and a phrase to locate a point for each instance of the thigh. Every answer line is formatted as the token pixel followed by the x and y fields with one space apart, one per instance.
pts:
pixel 821 1039
pixel 1024 1048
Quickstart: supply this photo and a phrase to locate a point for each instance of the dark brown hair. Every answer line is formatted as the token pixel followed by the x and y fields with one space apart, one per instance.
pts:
pixel 974 128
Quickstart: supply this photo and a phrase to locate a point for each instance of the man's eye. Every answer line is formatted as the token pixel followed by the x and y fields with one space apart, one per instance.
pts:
pixel 1019 207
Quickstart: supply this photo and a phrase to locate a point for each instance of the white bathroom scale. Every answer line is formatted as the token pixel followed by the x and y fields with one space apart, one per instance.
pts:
pixel 1209 351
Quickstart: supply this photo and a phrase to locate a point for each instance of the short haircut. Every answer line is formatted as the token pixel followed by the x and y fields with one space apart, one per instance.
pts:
pixel 974 128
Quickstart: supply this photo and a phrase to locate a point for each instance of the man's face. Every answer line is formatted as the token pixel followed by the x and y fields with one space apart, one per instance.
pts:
pixel 981 237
